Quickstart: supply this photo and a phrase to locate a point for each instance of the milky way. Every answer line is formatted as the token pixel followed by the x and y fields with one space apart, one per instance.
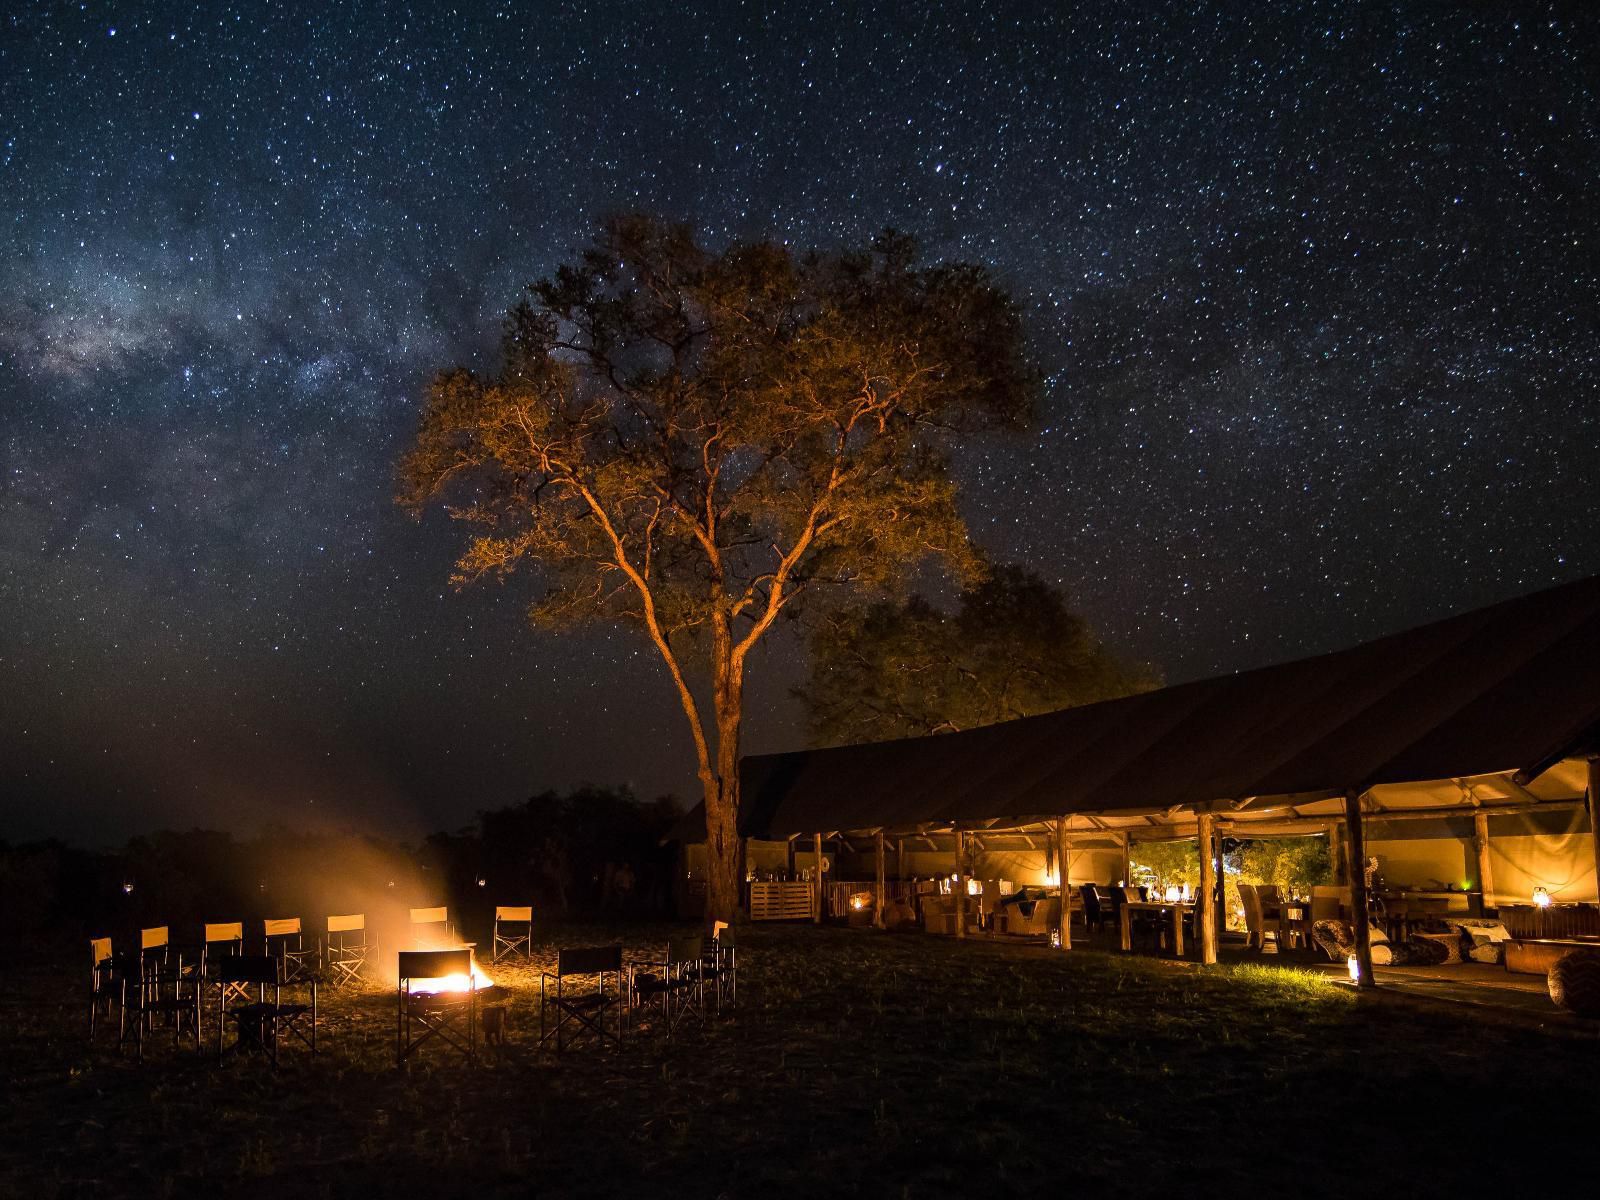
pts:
pixel 1313 289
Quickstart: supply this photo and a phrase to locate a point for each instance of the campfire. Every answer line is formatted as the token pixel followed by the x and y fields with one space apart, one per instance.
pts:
pixel 438 974
pixel 433 985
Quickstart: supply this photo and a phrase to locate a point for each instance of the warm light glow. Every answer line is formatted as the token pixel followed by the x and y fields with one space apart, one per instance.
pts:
pixel 1174 893
pixel 1186 895
pixel 974 887
pixel 1055 939
pixel 1354 968
pixel 127 887
pixel 453 983
pixel 1541 897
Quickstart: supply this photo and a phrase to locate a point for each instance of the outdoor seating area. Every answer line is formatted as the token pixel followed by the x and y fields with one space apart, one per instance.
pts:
pixel 237 994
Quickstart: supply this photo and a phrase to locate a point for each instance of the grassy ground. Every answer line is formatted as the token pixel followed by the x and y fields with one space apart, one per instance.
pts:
pixel 858 1064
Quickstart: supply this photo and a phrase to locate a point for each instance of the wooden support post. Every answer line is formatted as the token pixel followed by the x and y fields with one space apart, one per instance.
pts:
pixel 1063 861
pixel 883 887
pixel 788 850
pixel 958 889
pixel 1356 845
pixel 900 859
pixel 1480 843
pixel 1594 814
pixel 817 892
pixel 1207 832
pixel 1127 859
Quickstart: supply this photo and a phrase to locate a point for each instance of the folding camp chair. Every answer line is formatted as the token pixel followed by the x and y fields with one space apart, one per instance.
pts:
pixel 584 1004
pixel 280 938
pixel 155 944
pixel 224 939
pixel 513 932
pixel 429 927
pixel 159 982
pixel 345 949
pixel 425 1014
pixel 675 985
pixel 102 981
pixel 261 1023
pixel 720 967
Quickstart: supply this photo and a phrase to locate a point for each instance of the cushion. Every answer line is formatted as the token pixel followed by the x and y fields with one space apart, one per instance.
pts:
pixel 1575 982
pixel 1450 942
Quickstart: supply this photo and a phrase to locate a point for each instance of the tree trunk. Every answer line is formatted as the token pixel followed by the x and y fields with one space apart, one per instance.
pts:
pixel 722 851
pixel 724 847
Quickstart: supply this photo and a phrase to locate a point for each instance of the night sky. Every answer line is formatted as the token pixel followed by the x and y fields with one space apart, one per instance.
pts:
pixel 1313 286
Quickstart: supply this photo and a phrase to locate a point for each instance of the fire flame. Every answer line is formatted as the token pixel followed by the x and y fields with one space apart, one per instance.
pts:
pixel 453 983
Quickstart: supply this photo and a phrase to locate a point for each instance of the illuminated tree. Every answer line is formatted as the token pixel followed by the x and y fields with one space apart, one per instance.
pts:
pixel 695 443
pixel 1012 648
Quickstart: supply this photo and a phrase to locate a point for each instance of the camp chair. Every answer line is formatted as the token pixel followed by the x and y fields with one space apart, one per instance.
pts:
pixel 513 932
pixel 102 981
pixel 225 939
pixel 261 1023
pixel 675 984
pixel 159 982
pixel 345 949
pixel 586 1003
pixel 721 965
pixel 280 938
pixel 429 926
pixel 424 1015
pixel 155 944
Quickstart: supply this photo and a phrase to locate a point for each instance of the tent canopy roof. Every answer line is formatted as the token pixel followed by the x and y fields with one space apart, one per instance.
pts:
pixel 1507 691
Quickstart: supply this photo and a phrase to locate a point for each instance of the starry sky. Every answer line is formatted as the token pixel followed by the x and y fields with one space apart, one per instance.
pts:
pixel 1313 287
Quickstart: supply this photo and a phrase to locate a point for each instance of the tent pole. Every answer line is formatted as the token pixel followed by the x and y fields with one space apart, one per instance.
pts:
pixel 816 903
pixel 1480 843
pixel 1127 858
pixel 1356 845
pixel 1063 859
pixel 1208 887
pixel 959 890
pixel 877 919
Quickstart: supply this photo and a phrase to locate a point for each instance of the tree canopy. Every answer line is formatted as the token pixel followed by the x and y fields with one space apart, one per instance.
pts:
pixel 695 442
pixel 1011 648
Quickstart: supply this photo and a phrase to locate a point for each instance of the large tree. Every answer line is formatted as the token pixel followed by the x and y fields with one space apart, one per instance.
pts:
pixel 695 441
pixel 1012 647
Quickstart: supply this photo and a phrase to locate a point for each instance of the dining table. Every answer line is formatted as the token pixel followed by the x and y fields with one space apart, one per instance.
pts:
pixel 1176 909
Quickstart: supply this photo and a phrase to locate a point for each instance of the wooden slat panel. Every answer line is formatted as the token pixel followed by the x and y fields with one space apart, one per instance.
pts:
pixel 780 901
